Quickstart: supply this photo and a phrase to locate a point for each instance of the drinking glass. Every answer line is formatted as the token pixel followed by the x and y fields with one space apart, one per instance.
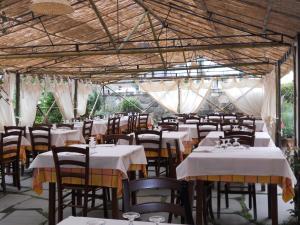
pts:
pixel 228 143
pixel 131 216
pixel 223 145
pixel 236 143
pixel 218 145
pixel 157 219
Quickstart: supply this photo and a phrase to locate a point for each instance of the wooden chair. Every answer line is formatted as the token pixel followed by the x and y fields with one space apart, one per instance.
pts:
pixel 117 125
pixel 8 129
pixel 143 121
pixel 204 128
pixel 250 121
pixel 226 125
pixel 114 138
pixel 229 116
pixel 168 126
pixel 247 139
pixel 192 120
pixel 152 146
pixel 10 157
pixel 183 208
pixel 131 124
pixel 43 125
pixel 65 126
pixel 175 158
pixel 217 118
pixel 87 130
pixel 169 119
pixel 40 140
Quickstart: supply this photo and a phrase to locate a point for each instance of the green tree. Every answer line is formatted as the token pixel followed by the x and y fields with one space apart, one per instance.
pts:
pixel 287 90
pixel 130 105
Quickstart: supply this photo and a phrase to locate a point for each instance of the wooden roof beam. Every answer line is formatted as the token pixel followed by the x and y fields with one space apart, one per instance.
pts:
pixel 267 15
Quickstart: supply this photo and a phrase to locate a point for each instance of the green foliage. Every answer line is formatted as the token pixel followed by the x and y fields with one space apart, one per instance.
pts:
pixel 287 90
pixel 91 101
pixel 130 105
pixel 287 115
pixel 45 103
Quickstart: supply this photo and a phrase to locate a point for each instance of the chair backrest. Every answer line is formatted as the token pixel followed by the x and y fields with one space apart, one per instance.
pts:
pixel 214 117
pixel 204 128
pixel 192 120
pixel 227 125
pixel 175 158
pixel 117 125
pixel 46 125
pixel 10 144
pixel 65 126
pixel 9 129
pixel 150 139
pixel 229 116
pixel 40 139
pixel 115 138
pixel 87 129
pixel 182 209
pixel 143 121
pixel 168 126
pixel 169 119
pixel 62 164
pixel 247 121
pixel 245 137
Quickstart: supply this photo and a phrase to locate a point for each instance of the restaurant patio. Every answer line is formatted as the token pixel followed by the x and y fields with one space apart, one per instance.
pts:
pixel 149 112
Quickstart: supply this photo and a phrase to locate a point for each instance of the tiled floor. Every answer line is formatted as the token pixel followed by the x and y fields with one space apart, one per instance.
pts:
pixel 27 208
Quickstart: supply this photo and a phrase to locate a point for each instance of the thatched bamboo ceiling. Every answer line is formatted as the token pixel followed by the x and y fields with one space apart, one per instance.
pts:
pixel 118 39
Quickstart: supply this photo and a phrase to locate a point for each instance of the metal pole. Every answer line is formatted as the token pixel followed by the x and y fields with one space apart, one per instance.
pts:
pixel 75 97
pixel 278 105
pixel 18 82
pixel 297 89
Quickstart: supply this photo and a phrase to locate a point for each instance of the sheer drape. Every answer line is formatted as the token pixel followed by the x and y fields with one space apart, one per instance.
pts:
pixel 268 111
pixel 247 95
pixel 7 115
pixel 83 92
pixel 166 93
pixel 30 94
pixel 62 92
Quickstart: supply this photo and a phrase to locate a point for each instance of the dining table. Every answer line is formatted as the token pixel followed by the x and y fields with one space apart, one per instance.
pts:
pixel 264 165
pixel 262 139
pixel 71 220
pixel 109 165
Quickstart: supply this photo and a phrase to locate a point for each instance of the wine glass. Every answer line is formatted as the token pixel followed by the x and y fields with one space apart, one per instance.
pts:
pixel 228 142
pixel 157 219
pixel 131 216
pixel 223 145
pixel 218 145
pixel 236 143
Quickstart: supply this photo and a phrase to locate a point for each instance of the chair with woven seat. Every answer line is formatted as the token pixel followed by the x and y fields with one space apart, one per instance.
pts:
pixel 22 129
pixel 82 188
pixel 168 126
pixel 45 125
pixel 152 142
pixel 87 130
pixel 182 209
pixel 10 144
pixel 143 121
pixel 40 140
pixel 65 126
pixel 246 139
pixel 204 128
pixel 115 138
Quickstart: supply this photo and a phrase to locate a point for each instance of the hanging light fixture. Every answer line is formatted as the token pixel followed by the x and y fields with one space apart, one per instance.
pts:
pixel 51 7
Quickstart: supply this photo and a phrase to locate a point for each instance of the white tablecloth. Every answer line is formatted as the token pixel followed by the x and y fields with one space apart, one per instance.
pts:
pixel 118 157
pixel 262 139
pixel 83 221
pixel 256 161
pixel 60 136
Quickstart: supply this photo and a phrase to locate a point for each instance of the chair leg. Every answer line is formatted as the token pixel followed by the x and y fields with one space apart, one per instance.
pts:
pixel 250 195
pixel 3 184
pixel 254 202
pixel 60 209
pixel 104 191
pixel 18 182
pixel 226 195
pixel 218 199
pixel 172 202
pixel 73 203
pixel 210 209
pixel 85 204
pixel 93 198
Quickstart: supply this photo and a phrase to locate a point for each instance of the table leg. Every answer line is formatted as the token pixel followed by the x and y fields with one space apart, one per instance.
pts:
pixel 114 204
pixel 52 206
pixel 199 202
pixel 274 204
pixel 269 201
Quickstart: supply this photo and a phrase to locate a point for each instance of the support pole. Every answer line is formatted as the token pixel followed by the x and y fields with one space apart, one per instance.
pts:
pixel 17 112
pixel 297 89
pixel 75 97
pixel 278 105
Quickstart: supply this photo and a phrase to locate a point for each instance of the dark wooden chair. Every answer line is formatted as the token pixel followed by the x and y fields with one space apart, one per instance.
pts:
pixel 204 128
pixel 192 120
pixel 175 158
pixel 65 126
pixel 217 118
pixel 87 130
pixel 10 144
pixel 229 116
pixel 226 125
pixel 143 121
pixel 168 126
pixel 43 125
pixel 183 208
pixel 169 119
pixel 117 129
pixel 250 121
pixel 152 145
pixel 8 129
pixel 114 138
pixel 131 124
pixel 247 139
pixel 40 140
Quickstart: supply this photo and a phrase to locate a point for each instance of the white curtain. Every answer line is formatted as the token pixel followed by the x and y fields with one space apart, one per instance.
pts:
pixel 62 92
pixel 268 111
pixel 7 115
pixel 83 92
pixel 192 94
pixel 30 93
pixel 246 94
